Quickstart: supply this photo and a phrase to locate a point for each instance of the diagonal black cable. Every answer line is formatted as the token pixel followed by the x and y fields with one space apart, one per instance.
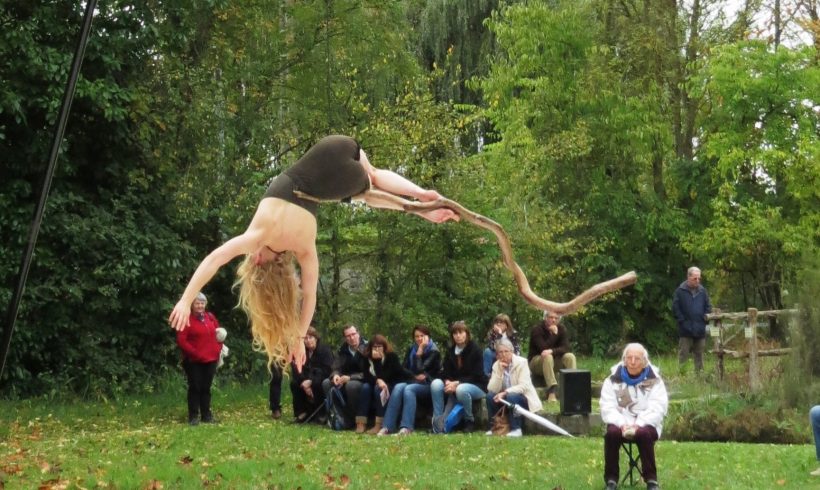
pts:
pixel 68 96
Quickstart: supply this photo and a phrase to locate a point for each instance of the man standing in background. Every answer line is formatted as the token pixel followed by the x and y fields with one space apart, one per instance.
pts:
pixel 690 305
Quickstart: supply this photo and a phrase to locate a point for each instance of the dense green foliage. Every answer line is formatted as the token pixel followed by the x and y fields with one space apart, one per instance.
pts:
pixel 605 136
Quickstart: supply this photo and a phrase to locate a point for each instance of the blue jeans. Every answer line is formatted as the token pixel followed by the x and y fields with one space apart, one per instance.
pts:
pixel 493 407
pixel 814 417
pixel 394 403
pixel 465 394
pixel 489 360
pixel 365 398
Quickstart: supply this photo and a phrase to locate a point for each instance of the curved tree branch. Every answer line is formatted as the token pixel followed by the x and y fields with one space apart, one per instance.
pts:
pixel 385 199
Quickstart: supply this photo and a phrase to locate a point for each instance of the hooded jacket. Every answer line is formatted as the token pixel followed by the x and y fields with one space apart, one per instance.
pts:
pixel 643 404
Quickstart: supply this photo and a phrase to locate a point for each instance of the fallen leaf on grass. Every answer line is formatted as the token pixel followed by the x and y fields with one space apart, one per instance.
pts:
pixel 186 460
pixel 781 482
pixel 55 484
pixel 153 485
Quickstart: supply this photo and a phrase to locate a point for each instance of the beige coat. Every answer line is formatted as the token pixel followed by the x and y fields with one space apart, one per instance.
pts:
pixel 520 382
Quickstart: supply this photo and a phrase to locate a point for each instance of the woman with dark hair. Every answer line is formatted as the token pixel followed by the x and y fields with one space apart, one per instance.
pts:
pixel 284 228
pixel 423 361
pixel 462 378
pixel 382 371
pixel 502 328
pixel 306 385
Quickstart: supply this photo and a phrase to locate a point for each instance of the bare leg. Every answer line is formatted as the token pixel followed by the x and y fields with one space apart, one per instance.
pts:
pixel 394 183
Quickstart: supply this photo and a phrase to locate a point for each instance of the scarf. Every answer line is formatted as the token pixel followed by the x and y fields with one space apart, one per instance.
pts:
pixel 412 354
pixel 629 380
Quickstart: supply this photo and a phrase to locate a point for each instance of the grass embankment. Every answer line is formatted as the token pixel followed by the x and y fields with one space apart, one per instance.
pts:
pixel 144 443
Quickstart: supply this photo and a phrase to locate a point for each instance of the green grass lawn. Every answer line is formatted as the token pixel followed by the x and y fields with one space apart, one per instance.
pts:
pixel 144 443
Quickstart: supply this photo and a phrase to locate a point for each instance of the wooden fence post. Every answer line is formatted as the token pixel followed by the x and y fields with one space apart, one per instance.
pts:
pixel 754 375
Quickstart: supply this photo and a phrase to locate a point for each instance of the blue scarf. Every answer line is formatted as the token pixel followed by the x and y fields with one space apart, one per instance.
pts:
pixel 633 381
pixel 412 354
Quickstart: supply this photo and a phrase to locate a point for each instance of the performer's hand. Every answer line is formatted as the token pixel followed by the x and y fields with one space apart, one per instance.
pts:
pixel 429 195
pixel 440 215
pixel 180 316
pixel 297 356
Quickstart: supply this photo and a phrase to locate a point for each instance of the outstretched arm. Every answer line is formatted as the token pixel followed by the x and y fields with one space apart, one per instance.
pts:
pixel 223 254
pixel 309 272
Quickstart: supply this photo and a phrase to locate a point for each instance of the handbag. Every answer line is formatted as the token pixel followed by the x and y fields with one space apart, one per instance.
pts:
pixel 501 423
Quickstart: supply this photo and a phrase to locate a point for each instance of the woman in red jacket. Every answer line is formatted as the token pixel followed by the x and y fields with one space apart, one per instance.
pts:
pixel 200 353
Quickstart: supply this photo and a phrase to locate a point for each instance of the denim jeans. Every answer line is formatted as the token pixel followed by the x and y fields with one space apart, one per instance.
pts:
pixel 489 360
pixel 465 394
pixel 814 416
pixel 365 399
pixel 493 407
pixel 394 403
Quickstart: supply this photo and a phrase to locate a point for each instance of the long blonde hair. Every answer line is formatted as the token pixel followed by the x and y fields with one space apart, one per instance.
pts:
pixel 269 294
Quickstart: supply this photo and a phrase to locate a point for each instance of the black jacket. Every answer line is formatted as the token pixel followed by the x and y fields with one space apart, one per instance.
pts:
pixel 388 370
pixel 349 364
pixel 467 367
pixel 317 366
pixel 428 364
pixel 541 338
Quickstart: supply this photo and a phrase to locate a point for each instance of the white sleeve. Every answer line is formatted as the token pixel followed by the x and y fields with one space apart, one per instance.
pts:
pixel 656 406
pixel 610 412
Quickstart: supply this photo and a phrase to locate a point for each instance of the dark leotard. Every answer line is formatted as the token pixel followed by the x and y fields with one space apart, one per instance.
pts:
pixel 330 170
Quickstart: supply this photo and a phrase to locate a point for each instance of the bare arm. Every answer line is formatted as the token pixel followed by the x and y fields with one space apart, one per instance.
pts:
pixel 220 256
pixel 309 265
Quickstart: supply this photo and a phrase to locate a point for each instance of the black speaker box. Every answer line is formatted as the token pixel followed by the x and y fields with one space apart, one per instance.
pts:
pixel 575 391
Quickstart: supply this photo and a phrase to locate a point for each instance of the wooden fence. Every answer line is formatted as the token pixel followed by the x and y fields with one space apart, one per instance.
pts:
pixel 749 317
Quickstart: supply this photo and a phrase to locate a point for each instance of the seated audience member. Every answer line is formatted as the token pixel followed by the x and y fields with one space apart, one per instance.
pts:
pixel 305 385
pixel 382 372
pixel 510 380
pixel 347 369
pixel 462 376
pixel 814 417
pixel 502 328
pixel 549 349
pixel 423 361
pixel 633 405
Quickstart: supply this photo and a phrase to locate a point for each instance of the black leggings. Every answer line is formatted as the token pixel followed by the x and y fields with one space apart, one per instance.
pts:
pixel 200 377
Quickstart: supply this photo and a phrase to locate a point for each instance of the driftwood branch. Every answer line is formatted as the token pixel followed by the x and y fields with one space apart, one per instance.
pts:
pixel 392 201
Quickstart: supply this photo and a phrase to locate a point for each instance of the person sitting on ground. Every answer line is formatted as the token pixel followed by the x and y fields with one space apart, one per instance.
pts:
pixel 304 384
pixel 633 404
pixel 502 328
pixel 423 361
pixel 511 381
pixel 382 372
pixel 549 349
pixel 347 373
pixel 462 377
pixel 814 418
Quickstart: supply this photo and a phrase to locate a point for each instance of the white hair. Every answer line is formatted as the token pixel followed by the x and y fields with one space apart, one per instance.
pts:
pixel 201 297
pixel 691 271
pixel 547 313
pixel 639 347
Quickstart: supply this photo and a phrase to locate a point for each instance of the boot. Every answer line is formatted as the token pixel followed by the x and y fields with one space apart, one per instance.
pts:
pixel 361 423
pixel 376 427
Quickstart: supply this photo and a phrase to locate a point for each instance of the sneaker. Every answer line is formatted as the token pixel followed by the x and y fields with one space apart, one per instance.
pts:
pixel 193 421
pixel 208 419
pixel 815 472
pixel 488 433
pixel 652 485
pixel 469 426
pixel 404 431
pixel 515 433
pixel 383 432
pixel 611 485
pixel 276 414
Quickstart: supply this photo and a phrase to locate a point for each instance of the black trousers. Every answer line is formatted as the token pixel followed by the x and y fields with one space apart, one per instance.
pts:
pixel 200 377
pixel 275 396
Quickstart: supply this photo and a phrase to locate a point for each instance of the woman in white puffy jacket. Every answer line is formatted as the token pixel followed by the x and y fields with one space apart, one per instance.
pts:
pixel 633 404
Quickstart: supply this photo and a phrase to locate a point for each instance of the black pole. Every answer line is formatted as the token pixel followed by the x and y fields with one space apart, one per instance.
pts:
pixel 68 96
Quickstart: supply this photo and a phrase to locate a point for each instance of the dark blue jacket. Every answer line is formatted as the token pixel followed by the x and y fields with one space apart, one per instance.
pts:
pixel 689 309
